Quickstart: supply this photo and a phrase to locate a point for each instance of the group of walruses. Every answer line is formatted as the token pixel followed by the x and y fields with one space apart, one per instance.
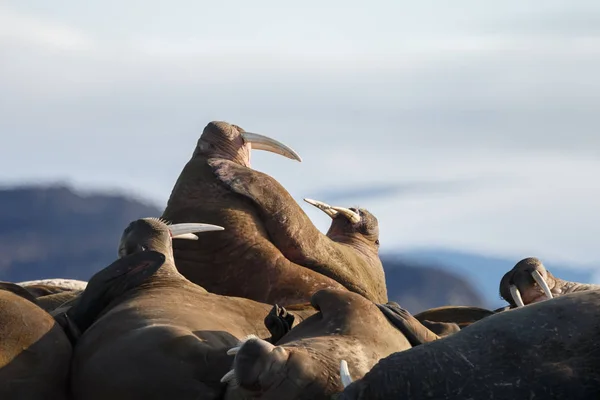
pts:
pixel 233 293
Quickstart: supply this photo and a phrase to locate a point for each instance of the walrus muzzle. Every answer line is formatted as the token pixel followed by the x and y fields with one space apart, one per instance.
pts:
pixel 260 142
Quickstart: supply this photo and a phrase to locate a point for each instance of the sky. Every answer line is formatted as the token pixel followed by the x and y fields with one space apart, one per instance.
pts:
pixel 468 125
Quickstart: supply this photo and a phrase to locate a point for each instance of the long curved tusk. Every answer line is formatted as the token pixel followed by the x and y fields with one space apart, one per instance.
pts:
pixel 233 350
pixel 228 376
pixel 187 230
pixel 345 374
pixel 326 208
pixel 352 216
pixel 542 283
pixel 261 142
pixel 516 295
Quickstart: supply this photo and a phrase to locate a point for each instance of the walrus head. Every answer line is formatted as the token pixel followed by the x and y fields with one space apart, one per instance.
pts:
pixel 354 226
pixel 227 141
pixel 155 234
pixel 528 282
pixel 304 364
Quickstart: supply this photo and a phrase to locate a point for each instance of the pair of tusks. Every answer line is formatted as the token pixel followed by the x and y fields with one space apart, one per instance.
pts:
pixel 187 230
pixel 333 211
pixel 516 295
pixel 261 142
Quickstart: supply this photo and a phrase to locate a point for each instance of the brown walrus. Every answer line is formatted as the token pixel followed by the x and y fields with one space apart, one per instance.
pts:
pixel 304 364
pixel 450 319
pixel 165 337
pixel 348 253
pixel 529 282
pixel 547 350
pixel 240 261
pixel 35 354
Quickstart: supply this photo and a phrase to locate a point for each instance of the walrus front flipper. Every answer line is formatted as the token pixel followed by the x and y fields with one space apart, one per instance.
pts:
pixel 411 327
pixel 111 282
pixel 18 290
pixel 278 322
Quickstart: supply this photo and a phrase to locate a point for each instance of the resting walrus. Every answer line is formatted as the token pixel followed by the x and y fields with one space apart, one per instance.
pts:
pixel 34 352
pixel 547 350
pixel 155 336
pixel 304 363
pixel 529 282
pixel 348 253
pixel 240 261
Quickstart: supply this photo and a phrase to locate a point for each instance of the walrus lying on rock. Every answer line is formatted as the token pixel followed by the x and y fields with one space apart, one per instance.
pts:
pixel 143 331
pixel 240 261
pixel 35 354
pixel 304 363
pixel 348 253
pixel 529 282
pixel 547 350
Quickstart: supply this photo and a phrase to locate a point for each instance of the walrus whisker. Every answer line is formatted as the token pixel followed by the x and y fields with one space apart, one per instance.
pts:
pixel 516 295
pixel 260 142
pixel 542 283
pixel 345 374
pixel 352 216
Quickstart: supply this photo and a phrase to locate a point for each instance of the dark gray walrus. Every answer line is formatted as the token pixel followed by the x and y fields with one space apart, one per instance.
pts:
pixel 304 363
pixel 35 354
pixel 348 253
pixel 548 350
pixel 529 282
pixel 240 261
pixel 164 339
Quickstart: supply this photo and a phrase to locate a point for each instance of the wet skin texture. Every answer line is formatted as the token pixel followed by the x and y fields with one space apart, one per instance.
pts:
pixel 241 260
pixel 34 351
pixel 545 350
pixel 348 253
pixel 520 276
pixel 305 362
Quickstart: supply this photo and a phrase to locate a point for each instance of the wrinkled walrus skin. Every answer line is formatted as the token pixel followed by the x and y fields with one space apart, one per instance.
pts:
pixel 348 253
pixel 521 277
pixel 164 339
pixel 35 353
pixel 241 260
pixel 305 363
pixel 547 350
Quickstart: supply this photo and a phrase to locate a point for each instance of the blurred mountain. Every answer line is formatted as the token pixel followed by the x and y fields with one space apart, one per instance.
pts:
pixel 57 232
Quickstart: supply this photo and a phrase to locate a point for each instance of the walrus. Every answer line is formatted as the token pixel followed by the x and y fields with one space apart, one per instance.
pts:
pixel 35 353
pixel 155 335
pixel 240 261
pixel 304 363
pixel 450 319
pixel 43 287
pixel 348 253
pixel 530 282
pixel 547 350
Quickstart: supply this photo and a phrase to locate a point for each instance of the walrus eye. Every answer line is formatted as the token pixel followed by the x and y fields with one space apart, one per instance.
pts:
pixel 377 242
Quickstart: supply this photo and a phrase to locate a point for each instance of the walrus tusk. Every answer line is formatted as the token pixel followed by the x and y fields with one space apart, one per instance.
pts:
pixel 514 292
pixel 233 350
pixel 542 283
pixel 326 208
pixel 345 373
pixel 352 216
pixel 228 376
pixel 187 230
pixel 260 142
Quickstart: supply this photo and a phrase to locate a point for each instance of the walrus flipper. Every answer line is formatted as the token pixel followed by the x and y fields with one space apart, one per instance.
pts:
pixel 412 328
pixel 279 322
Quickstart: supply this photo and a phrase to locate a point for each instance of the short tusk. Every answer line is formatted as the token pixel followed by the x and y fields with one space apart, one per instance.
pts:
pixel 326 208
pixel 228 376
pixel 260 142
pixel 542 283
pixel 187 230
pixel 514 292
pixel 352 216
pixel 233 350
pixel 345 374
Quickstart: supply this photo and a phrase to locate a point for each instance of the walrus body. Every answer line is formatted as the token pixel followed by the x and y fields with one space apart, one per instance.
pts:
pixel 348 253
pixel 547 350
pixel 240 261
pixel 165 338
pixel 304 364
pixel 34 352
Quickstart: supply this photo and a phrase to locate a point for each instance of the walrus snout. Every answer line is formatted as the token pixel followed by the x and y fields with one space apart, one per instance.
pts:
pixel 526 283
